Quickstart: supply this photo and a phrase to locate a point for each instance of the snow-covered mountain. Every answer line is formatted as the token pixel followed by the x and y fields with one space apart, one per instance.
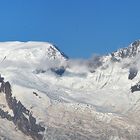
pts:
pixel 47 96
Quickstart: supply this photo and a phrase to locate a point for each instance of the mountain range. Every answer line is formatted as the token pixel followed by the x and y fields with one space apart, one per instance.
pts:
pixel 45 95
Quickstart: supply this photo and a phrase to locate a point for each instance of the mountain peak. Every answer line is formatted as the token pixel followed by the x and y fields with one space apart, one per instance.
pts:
pixel 31 51
pixel 131 51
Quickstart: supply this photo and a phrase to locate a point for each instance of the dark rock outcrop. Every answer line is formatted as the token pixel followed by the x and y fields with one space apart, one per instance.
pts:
pixel 135 88
pixel 132 73
pixel 59 71
pixel 4 114
pixel 23 118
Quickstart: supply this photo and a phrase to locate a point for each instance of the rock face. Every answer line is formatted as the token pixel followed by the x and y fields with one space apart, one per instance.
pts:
pixel 22 118
pixel 59 71
pixel 131 51
pixel 135 88
pixel 4 114
pixel 132 73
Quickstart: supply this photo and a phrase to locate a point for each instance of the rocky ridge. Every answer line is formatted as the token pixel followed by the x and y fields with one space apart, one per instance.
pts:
pixel 22 117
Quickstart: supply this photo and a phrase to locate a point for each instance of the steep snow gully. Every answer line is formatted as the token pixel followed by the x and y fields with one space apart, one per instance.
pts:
pixel 44 95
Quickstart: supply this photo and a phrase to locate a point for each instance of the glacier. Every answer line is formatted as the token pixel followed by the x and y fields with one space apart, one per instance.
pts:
pixel 95 99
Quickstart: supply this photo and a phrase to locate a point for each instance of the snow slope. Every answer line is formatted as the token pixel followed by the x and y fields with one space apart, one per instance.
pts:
pixel 79 104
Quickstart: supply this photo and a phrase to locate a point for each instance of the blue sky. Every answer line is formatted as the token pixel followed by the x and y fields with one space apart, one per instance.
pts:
pixel 80 28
